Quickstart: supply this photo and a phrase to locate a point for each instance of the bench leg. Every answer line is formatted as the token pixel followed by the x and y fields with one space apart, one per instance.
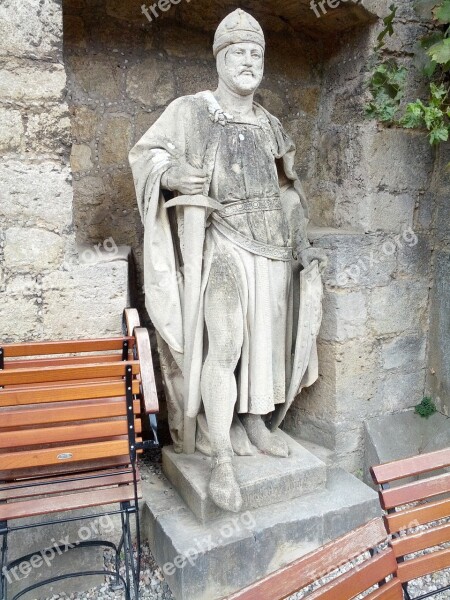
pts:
pixel 4 561
pixel 132 578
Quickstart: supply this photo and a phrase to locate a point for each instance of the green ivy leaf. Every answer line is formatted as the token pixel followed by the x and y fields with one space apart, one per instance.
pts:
pixel 389 27
pixel 442 13
pixel 440 52
pixel 413 116
pixel 433 116
pixel 438 135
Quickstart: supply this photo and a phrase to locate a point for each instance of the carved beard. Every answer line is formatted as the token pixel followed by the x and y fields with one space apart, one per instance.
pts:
pixel 231 75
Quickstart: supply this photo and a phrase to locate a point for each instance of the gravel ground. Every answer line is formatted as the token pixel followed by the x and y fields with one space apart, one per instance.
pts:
pixel 153 586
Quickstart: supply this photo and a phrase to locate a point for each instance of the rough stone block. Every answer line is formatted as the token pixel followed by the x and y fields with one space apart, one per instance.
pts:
pixel 38 195
pixel 151 83
pixel 344 316
pixel 97 76
pixel 414 255
pixel 49 131
pixel 81 158
pixel 18 315
pixel 31 81
pixel 84 123
pixel 382 211
pixel 85 300
pixel 31 31
pixel 400 391
pixel 116 140
pixel 32 249
pixel 174 43
pixel 406 352
pixel 299 474
pixel 208 562
pixel 392 437
pixel 356 260
pixel 392 156
pixel 11 130
pixel 304 100
pixel 398 306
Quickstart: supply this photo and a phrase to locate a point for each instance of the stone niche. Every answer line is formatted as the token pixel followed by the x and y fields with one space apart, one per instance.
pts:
pixel 123 70
pixel 366 185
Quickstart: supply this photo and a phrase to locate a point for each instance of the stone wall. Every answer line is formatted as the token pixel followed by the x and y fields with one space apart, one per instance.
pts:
pixel 439 356
pixel 45 292
pixel 372 188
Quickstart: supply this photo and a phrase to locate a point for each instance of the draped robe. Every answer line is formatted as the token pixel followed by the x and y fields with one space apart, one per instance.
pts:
pixel 191 130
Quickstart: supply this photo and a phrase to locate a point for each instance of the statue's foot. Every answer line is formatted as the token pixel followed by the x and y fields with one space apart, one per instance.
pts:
pixel 262 438
pixel 223 487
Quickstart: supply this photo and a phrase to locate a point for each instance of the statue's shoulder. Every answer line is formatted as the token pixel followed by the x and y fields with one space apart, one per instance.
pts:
pixel 192 102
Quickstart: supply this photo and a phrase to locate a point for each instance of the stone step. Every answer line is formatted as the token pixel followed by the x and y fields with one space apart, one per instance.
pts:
pixel 263 479
pixel 209 561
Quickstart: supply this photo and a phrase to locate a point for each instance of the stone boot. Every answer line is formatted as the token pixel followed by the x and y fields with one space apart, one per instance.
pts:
pixel 262 438
pixel 223 487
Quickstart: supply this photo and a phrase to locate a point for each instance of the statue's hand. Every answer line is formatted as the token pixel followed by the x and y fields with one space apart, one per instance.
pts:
pixel 307 255
pixel 185 179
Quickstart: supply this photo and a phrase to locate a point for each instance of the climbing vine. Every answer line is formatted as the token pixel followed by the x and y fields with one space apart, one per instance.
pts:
pixel 387 80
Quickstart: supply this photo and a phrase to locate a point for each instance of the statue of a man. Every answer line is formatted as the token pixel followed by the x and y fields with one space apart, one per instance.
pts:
pixel 225 220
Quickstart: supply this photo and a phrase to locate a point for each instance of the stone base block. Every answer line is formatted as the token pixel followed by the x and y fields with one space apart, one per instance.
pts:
pixel 392 437
pixel 263 479
pixel 208 562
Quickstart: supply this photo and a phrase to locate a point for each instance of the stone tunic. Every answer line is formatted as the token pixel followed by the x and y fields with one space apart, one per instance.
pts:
pixel 245 170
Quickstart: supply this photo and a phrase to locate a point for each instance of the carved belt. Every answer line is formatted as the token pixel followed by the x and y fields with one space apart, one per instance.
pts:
pixel 250 205
pixel 249 244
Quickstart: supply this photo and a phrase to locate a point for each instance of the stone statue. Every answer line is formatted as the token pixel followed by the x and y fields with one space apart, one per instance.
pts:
pixel 225 221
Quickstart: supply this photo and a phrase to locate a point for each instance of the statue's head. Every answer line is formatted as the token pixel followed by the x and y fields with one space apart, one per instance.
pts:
pixel 239 46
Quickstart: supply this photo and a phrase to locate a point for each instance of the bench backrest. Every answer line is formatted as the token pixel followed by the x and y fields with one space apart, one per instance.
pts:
pixel 373 570
pixel 421 502
pixel 63 405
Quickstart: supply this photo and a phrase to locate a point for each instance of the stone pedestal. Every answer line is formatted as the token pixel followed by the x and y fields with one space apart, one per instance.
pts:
pixel 309 505
pixel 263 479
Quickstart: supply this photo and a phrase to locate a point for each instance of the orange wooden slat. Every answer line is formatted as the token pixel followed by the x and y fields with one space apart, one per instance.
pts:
pixel 359 579
pixel 390 591
pixel 415 465
pixel 65 485
pixel 424 565
pixel 419 515
pixel 31 508
pixel 62 393
pixel 65 346
pixel 53 374
pixel 39 458
pixel 315 565
pixel 418 490
pixel 422 540
pixel 60 361
pixel 68 433
pixel 67 468
pixel 78 410
pixel 144 353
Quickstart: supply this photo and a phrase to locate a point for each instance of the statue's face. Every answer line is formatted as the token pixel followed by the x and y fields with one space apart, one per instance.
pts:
pixel 241 67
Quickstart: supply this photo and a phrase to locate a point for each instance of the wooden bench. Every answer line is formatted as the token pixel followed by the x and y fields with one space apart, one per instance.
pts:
pixel 73 417
pixel 425 501
pixel 376 570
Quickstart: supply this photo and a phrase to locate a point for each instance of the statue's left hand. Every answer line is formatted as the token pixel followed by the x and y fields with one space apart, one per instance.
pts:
pixel 307 255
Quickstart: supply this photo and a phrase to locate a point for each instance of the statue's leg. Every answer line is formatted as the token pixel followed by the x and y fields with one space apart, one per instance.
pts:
pixel 224 323
pixel 261 437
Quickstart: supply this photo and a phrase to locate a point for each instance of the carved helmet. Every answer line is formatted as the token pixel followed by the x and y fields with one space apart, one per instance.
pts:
pixel 236 28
